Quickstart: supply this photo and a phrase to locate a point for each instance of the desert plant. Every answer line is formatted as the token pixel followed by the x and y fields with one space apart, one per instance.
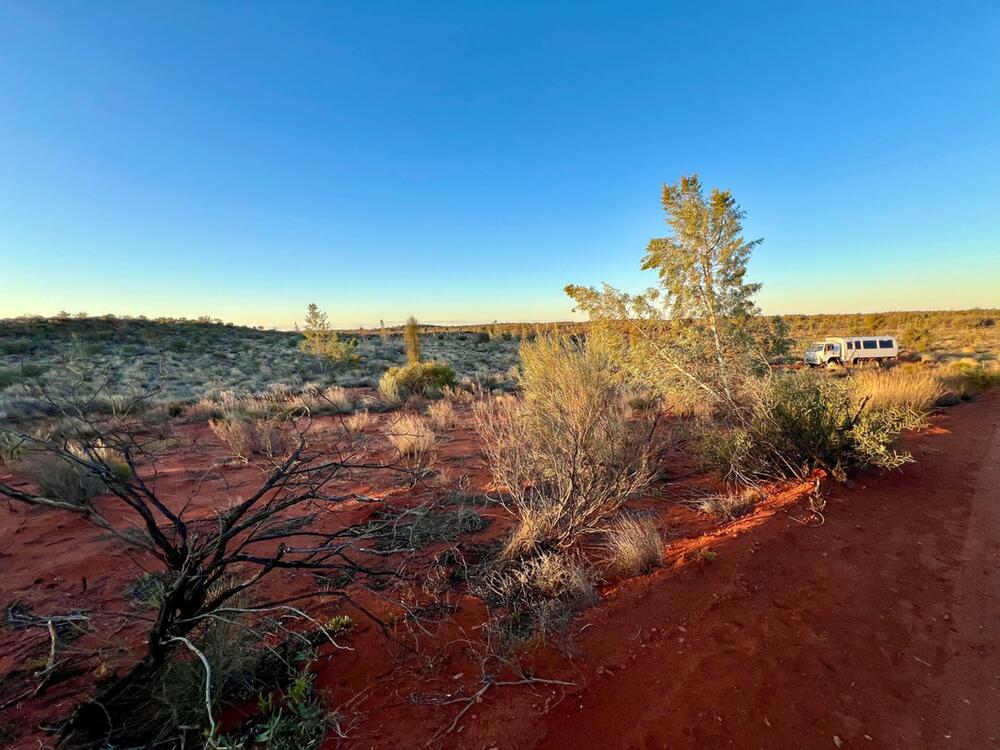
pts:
pixel 412 437
pixel 534 595
pixel 632 546
pixel 420 379
pixel 906 387
pixel 63 477
pixel 249 438
pixel 358 421
pixel 320 340
pixel 441 415
pixel 700 336
pixel 728 506
pixel 799 422
pixel 569 453
pixel 411 341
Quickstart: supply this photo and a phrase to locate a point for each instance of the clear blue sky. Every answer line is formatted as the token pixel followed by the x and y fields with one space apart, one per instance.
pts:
pixel 464 161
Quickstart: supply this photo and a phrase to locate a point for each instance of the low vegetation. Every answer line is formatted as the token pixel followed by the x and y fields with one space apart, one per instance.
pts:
pixel 728 506
pixel 572 421
pixel 412 437
pixel 569 452
pixel 632 546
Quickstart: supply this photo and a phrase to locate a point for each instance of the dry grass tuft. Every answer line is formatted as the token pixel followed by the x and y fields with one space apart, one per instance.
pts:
pixel 247 438
pixel 633 546
pixel 441 415
pixel 412 437
pixel 730 505
pixel 358 421
pixel 907 387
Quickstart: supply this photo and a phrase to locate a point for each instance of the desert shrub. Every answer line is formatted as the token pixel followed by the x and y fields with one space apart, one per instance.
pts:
pixel 534 596
pixel 412 437
pixel 418 527
pixel 966 378
pixel 249 438
pixel 632 546
pixel 419 379
pixel 15 347
pixel 804 421
pixel 359 420
pixel 61 479
pixel 569 453
pixel 441 415
pixel 296 720
pixel 728 506
pixel 911 388
pixel 318 401
pixel 23 372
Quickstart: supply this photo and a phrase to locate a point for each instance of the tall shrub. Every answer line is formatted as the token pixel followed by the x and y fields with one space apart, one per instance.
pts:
pixel 569 452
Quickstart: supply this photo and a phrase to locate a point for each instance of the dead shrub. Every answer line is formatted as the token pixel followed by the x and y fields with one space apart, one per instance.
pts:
pixel 632 546
pixel 415 528
pixel 535 596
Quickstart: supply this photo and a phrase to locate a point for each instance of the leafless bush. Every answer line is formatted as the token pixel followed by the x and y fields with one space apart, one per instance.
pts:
pixel 535 595
pixel 633 546
pixel 213 569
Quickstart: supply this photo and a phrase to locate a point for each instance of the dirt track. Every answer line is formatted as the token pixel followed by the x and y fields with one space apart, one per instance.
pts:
pixel 877 629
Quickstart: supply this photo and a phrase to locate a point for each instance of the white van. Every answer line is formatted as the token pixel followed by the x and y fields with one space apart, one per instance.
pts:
pixel 852 350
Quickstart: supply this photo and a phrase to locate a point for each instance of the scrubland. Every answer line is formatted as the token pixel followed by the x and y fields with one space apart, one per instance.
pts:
pixel 273 539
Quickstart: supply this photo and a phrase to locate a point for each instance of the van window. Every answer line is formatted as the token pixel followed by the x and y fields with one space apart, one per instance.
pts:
pixel 885 344
pixel 870 344
pixel 850 344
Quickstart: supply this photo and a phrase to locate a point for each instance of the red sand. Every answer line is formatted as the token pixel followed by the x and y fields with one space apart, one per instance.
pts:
pixel 875 629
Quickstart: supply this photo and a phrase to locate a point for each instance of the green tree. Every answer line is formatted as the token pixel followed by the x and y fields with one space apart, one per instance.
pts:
pixel 698 335
pixel 874 323
pixel 320 340
pixel 916 337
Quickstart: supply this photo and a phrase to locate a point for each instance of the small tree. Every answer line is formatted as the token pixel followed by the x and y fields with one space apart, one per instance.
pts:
pixel 320 340
pixel 698 335
pixel 411 340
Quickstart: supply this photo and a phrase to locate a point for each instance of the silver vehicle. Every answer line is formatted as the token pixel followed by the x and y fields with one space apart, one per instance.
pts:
pixel 852 350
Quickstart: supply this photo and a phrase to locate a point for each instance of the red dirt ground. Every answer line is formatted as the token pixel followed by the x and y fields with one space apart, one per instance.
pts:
pixel 876 629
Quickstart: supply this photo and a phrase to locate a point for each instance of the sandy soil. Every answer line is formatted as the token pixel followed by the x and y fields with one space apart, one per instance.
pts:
pixel 875 629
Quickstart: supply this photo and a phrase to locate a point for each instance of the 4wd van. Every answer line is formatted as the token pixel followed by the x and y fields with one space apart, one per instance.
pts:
pixel 852 350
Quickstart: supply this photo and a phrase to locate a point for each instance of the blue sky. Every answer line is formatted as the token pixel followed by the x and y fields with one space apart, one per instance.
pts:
pixel 463 162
